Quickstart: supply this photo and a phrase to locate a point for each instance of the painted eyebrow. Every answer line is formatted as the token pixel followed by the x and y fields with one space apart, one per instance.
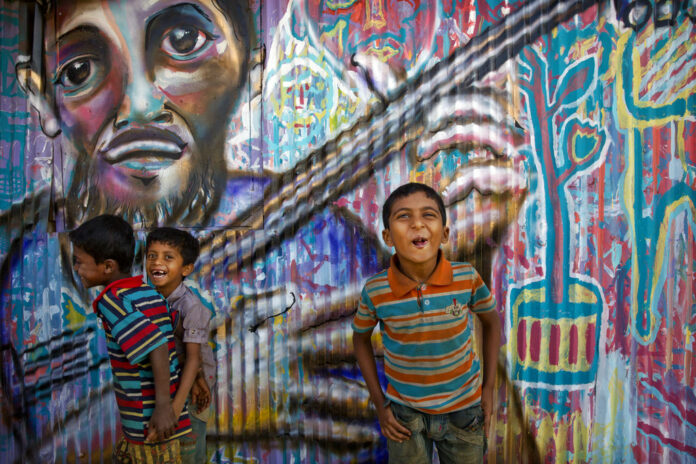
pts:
pixel 174 9
pixel 85 29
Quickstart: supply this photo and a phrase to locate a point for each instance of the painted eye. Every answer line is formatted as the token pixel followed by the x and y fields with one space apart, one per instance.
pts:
pixel 75 73
pixel 184 41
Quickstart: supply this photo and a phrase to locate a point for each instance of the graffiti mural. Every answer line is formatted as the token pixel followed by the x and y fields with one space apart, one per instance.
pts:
pixel 561 135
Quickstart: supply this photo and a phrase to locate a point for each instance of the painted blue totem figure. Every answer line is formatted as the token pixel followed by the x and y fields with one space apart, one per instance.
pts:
pixel 562 307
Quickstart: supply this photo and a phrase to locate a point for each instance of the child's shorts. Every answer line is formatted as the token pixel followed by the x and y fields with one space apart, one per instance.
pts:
pixel 157 453
pixel 458 436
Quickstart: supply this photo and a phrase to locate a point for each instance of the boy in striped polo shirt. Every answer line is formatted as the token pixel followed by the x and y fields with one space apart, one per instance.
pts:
pixel 436 392
pixel 139 339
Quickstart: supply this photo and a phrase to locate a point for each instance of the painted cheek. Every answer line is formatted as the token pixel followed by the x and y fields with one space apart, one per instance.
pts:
pixel 202 102
pixel 84 117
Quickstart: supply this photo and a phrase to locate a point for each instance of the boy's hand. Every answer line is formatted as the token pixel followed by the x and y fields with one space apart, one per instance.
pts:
pixel 487 406
pixel 200 394
pixel 163 421
pixel 391 427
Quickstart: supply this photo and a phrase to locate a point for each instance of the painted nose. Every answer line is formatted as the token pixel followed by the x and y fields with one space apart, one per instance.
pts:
pixel 142 103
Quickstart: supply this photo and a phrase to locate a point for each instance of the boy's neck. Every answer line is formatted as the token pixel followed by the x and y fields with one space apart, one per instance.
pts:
pixel 117 276
pixel 419 273
pixel 167 290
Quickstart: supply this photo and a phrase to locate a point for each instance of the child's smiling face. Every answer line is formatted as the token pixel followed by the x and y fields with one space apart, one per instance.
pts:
pixel 90 272
pixel 416 231
pixel 165 267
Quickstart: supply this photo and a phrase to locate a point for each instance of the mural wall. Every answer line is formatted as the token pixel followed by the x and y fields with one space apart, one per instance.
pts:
pixel 561 134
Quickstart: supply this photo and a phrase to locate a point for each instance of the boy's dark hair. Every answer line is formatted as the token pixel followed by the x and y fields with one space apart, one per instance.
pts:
pixel 184 242
pixel 106 237
pixel 409 189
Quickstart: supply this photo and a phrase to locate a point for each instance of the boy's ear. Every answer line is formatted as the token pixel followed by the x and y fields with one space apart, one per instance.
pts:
pixel 110 266
pixel 32 85
pixel 445 235
pixel 386 236
pixel 186 270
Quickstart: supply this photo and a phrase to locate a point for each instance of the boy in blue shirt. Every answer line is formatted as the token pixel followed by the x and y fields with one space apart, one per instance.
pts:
pixel 424 306
pixel 139 339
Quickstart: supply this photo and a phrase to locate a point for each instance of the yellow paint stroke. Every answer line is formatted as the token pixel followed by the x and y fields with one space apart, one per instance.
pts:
pixel 583 132
pixel 553 433
pixel 582 48
pixel 335 33
pixel 74 317
pixel 580 294
pixel 340 5
pixel 681 149
pixel 383 53
pixel 663 238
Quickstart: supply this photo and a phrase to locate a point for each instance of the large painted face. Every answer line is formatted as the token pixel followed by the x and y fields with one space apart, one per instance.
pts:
pixel 395 31
pixel 144 91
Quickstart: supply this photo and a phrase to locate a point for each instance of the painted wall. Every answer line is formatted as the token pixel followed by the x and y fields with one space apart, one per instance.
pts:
pixel 561 135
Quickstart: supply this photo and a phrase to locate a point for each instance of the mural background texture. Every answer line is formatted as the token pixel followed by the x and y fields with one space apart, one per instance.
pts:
pixel 561 134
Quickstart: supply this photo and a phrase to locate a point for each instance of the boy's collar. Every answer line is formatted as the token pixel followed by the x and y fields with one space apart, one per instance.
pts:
pixel 178 292
pixel 128 282
pixel 401 284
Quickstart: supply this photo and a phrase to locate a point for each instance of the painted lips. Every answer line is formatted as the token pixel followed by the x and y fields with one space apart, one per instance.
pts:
pixel 143 152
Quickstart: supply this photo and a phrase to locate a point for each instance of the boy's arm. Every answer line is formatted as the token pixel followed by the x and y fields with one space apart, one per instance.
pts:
pixel 163 421
pixel 490 334
pixel 188 376
pixel 391 428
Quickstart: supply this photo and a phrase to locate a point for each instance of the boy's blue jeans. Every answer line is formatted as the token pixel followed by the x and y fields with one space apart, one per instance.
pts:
pixel 459 436
pixel 193 446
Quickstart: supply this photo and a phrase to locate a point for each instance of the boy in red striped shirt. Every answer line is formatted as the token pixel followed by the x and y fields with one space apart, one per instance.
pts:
pixel 139 339
pixel 436 392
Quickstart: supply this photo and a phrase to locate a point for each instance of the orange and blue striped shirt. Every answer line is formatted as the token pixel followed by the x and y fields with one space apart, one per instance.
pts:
pixel 429 358
pixel 137 320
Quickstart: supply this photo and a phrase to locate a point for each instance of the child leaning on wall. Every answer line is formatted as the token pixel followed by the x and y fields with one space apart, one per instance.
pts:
pixel 436 393
pixel 139 338
pixel 170 256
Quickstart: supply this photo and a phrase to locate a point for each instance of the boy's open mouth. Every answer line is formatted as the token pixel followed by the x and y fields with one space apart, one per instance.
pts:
pixel 158 273
pixel 420 242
